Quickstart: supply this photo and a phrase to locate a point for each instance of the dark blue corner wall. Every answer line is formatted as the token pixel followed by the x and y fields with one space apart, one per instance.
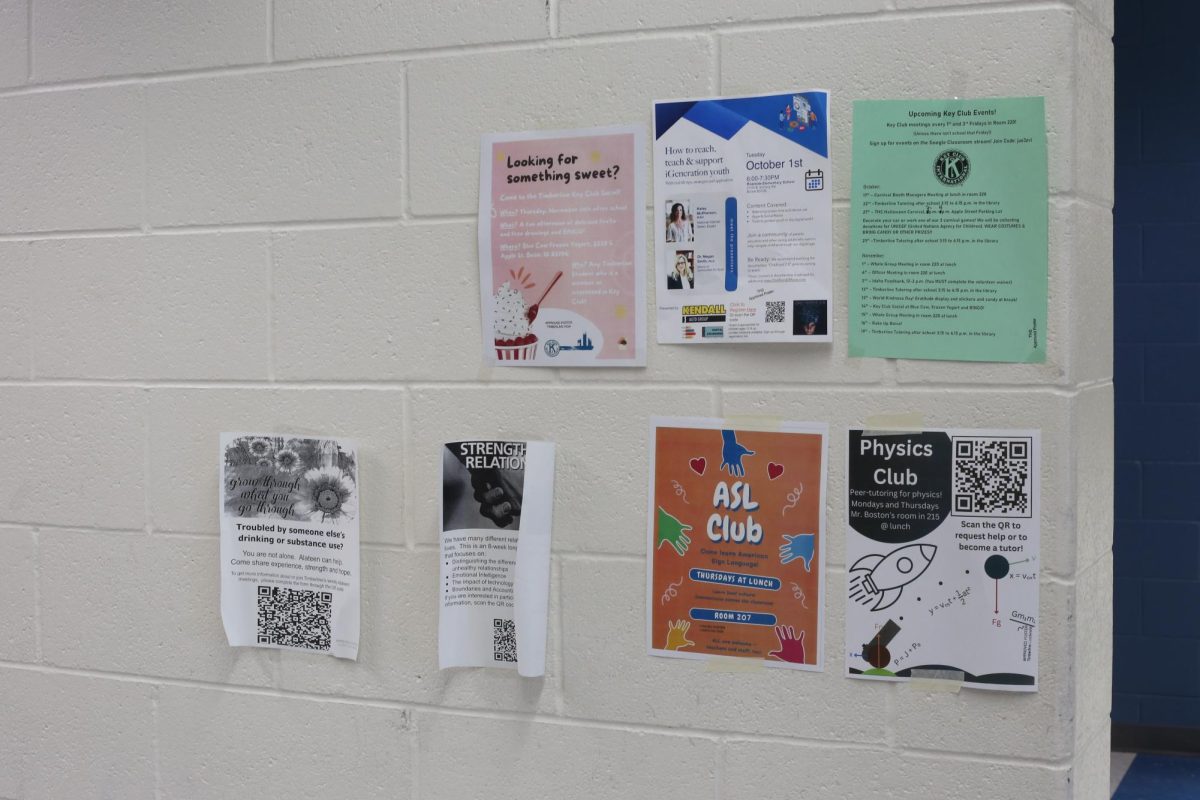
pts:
pixel 1156 669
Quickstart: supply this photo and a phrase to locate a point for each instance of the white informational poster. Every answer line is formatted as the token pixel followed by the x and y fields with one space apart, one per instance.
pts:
pixel 942 554
pixel 497 503
pixel 743 219
pixel 562 247
pixel 289 542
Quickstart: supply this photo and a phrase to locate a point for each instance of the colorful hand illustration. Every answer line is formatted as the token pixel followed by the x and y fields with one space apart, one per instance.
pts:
pixel 732 453
pixel 791 648
pixel 798 545
pixel 677 635
pixel 671 531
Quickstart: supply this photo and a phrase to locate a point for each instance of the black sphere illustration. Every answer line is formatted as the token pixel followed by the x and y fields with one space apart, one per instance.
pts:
pixel 996 567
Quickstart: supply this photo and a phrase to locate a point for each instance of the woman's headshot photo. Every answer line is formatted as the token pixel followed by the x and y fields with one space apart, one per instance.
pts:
pixel 682 274
pixel 679 223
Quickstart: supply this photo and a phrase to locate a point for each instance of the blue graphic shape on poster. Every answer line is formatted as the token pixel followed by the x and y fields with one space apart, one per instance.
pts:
pixel 737 617
pixel 798 545
pixel 731 249
pixel 800 117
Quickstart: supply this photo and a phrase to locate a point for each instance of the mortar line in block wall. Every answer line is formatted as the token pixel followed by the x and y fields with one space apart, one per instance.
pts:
pixel 270 287
pixel 1057 764
pixel 405 137
pixel 279 226
pixel 719 766
pixel 82 529
pixel 714 78
pixel 270 4
pixel 156 741
pixel 556 628
pixel 99 233
pixel 31 340
pixel 709 734
pixel 406 480
pixel 144 156
pixel 569 42
pixel 414 755
pixel 37 595
pixel 1060 199
pixel 29 42
pixel 181 230
pixel 472 385
pixel 147 517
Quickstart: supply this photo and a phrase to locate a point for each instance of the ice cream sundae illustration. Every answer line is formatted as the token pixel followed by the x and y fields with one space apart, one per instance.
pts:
pixel 513 321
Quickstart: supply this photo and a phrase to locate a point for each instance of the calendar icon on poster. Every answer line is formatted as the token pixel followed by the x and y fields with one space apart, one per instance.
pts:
pixel 814 180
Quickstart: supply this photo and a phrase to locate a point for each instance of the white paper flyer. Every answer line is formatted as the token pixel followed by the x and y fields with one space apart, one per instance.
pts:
pixel 743 219
pixel 497 503
pixel 562 250
pixel 289 542
pixel 942 538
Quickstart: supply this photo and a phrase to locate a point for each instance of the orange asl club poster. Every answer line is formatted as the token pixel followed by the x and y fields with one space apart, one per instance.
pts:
pixel 737 542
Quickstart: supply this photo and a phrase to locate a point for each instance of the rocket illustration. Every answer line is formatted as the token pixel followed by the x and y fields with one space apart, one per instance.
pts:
pixel 876 581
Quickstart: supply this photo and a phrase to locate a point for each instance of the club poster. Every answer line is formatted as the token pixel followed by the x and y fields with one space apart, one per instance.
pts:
pixel 743 219
pixel 497 503
pixel 562 248
pixel 942 548
pixel 289 542
pixel 736 541
pixel 949 230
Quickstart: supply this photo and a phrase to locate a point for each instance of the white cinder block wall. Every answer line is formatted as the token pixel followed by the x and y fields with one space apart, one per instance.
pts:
pixel 259 214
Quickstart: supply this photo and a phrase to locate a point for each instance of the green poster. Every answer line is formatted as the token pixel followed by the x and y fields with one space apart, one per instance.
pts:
pixel 948 237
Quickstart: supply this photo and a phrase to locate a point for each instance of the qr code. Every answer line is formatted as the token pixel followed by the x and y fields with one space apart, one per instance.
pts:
pixel 775 312
pixel 992 477
pixel 504 640
pixel 294 617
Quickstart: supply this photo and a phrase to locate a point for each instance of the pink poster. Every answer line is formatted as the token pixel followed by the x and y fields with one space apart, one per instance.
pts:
pixel 562 248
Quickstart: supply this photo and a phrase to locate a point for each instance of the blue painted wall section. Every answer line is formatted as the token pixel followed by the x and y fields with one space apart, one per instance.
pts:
pixel 1156 669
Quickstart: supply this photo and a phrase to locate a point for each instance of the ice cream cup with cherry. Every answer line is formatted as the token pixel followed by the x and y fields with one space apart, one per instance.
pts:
pixel 514 339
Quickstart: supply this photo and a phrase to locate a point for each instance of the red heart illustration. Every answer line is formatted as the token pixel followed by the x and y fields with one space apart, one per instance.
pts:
pixel 774 470
pixel 698 465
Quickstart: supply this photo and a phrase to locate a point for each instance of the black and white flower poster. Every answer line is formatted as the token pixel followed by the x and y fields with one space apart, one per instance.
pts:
pixel 289 542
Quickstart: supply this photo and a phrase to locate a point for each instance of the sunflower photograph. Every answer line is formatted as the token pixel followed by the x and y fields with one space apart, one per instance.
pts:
pixel 290 478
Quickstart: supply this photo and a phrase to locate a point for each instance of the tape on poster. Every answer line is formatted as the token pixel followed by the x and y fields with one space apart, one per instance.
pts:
pixel 754 422
pixel 884 424
pixel 936 680
pixel 733 664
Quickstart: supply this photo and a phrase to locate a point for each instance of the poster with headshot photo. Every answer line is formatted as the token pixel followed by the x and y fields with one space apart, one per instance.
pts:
pixel 745 183
pixel 682 274
pixel 678 224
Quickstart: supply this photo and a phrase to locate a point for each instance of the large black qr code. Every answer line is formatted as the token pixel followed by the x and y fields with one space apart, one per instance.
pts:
pixel 294 617
pixel 992 477
pixel 504 640
pixel 776 311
